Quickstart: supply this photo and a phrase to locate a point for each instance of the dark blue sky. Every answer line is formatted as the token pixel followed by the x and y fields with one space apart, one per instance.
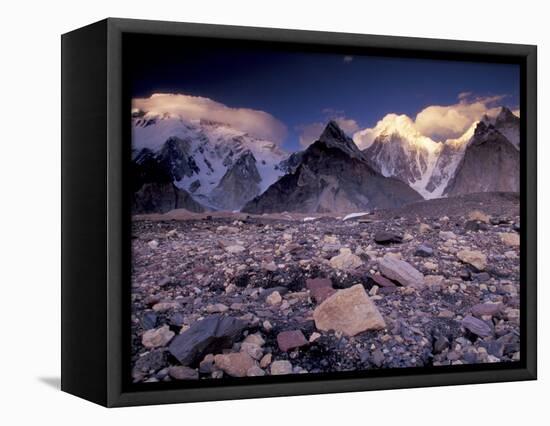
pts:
pixel 297 87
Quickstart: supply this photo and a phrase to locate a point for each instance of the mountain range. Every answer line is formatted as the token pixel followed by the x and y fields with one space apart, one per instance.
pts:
pixel 203 165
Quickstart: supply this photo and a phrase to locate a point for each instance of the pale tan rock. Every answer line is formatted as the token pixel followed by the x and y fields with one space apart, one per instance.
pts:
pixel 255 339
pixel 348 311
pixel 479 216
pixel 157 337
pixel 265 361
pixel 473 257
pixel 447 235
pixel 424 228
pixel 274 298
pixel 433 280
pixel 153 244
pixel 235 249
pixel 253 350
pixel 510 238
pixel 346 260
pixel 235 364
pixel 314 336
pixel 281 367
pixel 430 265
pixel 255 372
pixel 217 308
pixel 267 326
pixel 165 306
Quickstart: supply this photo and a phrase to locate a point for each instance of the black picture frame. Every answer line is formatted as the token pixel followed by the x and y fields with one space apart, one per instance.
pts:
pixel 95 215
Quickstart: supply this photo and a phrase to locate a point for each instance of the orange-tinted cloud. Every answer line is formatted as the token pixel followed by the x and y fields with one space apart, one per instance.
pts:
pixel 254 122
pixel 435 122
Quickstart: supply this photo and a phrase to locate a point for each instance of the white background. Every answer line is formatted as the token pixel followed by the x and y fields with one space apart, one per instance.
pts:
pixel 30 197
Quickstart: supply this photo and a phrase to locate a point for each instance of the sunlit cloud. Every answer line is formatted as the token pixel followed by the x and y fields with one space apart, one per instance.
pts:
pixel 435 122
pixel 451 121
pixel 254 122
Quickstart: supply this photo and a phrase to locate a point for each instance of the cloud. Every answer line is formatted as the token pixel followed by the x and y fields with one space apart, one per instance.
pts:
pixel 391 123
pixel 309 133
pixel 254 122
pixel 451 121
pixel 435 122
pixel 348 59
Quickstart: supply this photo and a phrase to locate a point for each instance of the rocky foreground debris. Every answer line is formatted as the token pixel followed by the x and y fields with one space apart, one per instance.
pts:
pixel 237 296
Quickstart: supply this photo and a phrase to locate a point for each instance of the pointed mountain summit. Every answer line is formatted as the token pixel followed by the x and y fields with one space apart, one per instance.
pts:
pixel 506 116
pixel 490 164
pixel 334 137
pixel 332 177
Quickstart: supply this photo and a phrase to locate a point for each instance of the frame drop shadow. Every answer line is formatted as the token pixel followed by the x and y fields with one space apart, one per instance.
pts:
pixel 53 382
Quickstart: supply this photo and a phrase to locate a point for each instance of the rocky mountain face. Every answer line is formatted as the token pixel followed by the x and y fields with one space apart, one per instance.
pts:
pixel 490 164
pixel 240 184
pixel 404 158
pixel 217 166
pixel 163 197
pixel 429 166
pixel 507 124
pixel 332 176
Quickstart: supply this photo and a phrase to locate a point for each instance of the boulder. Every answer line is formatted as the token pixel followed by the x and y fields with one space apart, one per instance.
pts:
pixel 209 335
pixel 320 288
pixel 510 239
pixel 401 271
pixel 473 257
pixel 381 281
pixel 479 216
pixel 476 326
pixel 423 228
pixel 447 235
pixel 346 260
pixel 483 309
pixel 235 364
pixel 157 337
pixel 385 237
pixel 349 311
pixel 274 299
pixel 182 372
pixel 291 339
pixel 281 367
pixel 424 250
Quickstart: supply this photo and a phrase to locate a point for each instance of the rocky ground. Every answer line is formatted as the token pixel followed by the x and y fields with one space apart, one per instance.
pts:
pixel 217 295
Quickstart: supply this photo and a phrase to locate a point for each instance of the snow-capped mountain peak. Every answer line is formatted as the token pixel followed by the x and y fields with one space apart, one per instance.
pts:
pixel 399 150
pixel 198 152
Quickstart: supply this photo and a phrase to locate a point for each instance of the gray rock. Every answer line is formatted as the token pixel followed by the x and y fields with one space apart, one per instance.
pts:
pixel 210 335
pixel 183 373
pixel 385 237
pixel 482 309
pixel 149 320
pixel 424 250
pixel 440 344
pixel 401 271
pixel 476 326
